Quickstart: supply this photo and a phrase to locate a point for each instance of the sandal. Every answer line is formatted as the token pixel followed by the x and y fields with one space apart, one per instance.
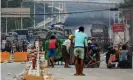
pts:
pixel 67 67
pixel 82 74
pixel 76 74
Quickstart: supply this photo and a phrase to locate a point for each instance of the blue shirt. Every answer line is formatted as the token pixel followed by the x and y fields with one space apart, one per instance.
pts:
pixel 32 41
pixel 80 39
pixel 93 46
pixel 123 55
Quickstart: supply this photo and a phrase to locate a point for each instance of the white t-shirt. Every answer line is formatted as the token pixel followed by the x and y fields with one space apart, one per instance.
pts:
pixel 67 43
pixel 3 44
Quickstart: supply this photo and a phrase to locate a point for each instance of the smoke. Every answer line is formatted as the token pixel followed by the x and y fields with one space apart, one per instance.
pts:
pixel 89 17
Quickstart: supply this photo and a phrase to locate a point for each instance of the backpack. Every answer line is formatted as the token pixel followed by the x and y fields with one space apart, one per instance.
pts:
pixel 112 58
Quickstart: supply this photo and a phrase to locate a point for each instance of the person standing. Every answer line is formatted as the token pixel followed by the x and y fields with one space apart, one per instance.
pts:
pixel 20 42
pixel 8 46
pixel 25 43
pixel 13 46
pixel 66 51
pixel 41 45
pixel 17 45
pixel 3 45
pixel 52 50
pixel 80 43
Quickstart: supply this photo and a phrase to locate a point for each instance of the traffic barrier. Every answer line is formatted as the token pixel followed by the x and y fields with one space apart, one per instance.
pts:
pixel 20 56
pixel 4 56
pixel 32 77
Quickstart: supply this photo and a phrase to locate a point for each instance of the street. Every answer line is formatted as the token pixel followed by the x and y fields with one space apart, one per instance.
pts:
pixel 92 74
pixel 9 70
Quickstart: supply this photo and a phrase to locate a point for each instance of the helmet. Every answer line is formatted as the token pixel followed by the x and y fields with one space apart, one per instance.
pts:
pixel 89 41
pixel 110 47
pixel 70 36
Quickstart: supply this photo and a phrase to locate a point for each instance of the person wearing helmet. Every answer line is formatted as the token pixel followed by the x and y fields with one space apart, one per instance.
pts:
pixel 66 50
pixel 89 41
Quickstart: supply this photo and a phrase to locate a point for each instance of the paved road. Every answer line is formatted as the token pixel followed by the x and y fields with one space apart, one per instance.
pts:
pixel 91 74
pixel 60 73
pixel 9 70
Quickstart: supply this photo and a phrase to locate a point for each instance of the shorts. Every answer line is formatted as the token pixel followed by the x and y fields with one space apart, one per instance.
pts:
pixel 51 52
pixel 79 52
pixel 64 51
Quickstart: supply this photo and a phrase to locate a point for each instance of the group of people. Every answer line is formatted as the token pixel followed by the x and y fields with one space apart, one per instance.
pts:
pixel 80 44
pixel 14 46
pixel 117 58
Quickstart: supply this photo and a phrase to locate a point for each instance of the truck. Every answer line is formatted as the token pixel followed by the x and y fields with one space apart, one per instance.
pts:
pixel 22 34
pixel 99 31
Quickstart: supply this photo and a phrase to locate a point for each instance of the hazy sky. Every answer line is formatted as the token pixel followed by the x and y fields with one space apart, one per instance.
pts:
pixel 106 1
pixel 103 1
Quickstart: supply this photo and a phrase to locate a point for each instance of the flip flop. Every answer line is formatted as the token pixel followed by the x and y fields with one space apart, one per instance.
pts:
pixel 67 67
pixel 76 75
pixel 82 74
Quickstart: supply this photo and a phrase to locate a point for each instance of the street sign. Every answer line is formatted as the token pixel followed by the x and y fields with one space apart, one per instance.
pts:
pixel 15 12
pixel 118 28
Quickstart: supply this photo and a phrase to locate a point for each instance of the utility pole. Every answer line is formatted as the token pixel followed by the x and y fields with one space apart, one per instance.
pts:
pixel 34 15
pixel 59 11
pixel 131 39
pixel 44 13
pixel 21 17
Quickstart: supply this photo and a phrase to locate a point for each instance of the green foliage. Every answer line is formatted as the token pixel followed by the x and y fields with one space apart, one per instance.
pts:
pixel 11 3
pixel 127 5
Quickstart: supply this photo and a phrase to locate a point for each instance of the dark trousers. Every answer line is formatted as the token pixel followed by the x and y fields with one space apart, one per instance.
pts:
pixel 124 64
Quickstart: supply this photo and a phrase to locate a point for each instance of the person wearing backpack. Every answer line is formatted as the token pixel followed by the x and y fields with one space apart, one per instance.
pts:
pixel 52 50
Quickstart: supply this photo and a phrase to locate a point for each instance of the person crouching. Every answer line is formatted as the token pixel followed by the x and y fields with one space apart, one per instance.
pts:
pixel 66 51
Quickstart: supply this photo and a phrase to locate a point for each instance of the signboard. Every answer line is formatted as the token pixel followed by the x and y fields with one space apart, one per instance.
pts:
pixel 118 28
pixel 15 12
pixel 98 30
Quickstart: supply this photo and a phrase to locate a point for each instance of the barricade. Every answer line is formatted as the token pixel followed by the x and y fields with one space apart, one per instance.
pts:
pixel 32 77
pixel 4 56
pixel 20 56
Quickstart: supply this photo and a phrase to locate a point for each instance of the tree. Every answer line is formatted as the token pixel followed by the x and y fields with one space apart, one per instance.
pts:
pixel 128 5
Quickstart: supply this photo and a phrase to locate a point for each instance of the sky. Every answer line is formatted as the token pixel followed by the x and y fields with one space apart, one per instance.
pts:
pixel 106 1
pixel 102 1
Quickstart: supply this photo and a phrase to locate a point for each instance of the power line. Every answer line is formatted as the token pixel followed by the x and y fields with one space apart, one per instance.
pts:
pixel 75 12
